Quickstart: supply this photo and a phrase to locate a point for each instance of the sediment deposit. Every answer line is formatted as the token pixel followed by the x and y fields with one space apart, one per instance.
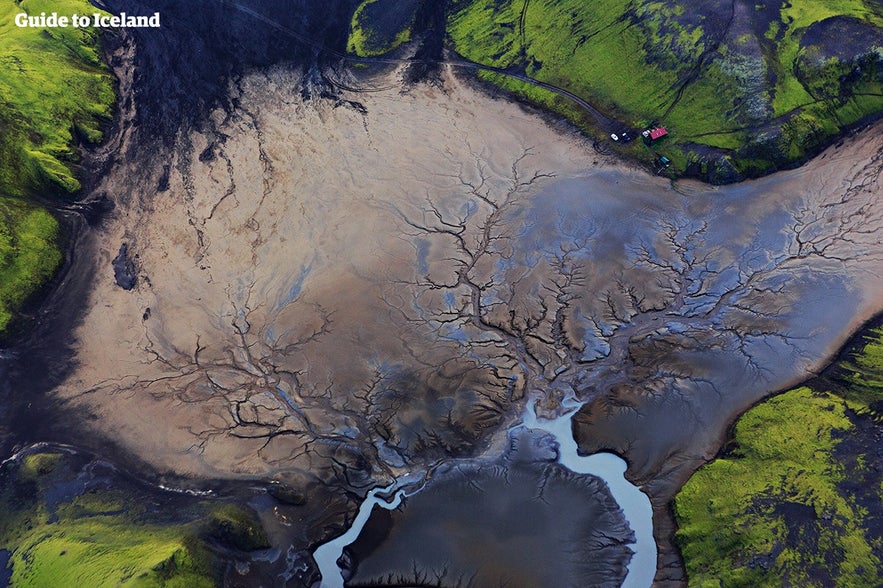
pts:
pixel 334 292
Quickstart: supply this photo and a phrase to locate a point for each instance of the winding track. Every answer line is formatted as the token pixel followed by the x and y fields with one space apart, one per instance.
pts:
pixel 605 122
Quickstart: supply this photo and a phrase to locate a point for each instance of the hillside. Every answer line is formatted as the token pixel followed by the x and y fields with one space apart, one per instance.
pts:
pixel 744 88
pixel 803 506
pixel 54 94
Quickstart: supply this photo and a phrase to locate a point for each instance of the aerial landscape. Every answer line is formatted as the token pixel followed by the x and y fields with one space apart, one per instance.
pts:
pixel 441 293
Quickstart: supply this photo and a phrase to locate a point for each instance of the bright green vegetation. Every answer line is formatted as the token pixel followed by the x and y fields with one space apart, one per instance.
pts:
pixel 28 253
pixel 52 86
pixel 379 26
pixel 54 92
pixel 865 372
pixel 795 500
pixel 109 537
pixel 752 93
pixel 790 93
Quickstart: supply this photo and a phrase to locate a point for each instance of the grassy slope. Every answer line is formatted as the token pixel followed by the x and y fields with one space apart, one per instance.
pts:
pixel 784 506
pixel 28 253
pixel 53 88
pixel 379 26
pixel 629 58
pixel 106 538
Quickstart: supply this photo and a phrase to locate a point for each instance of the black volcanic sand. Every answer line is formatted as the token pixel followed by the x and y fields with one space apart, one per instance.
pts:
pixel 183 67
pixel 520 521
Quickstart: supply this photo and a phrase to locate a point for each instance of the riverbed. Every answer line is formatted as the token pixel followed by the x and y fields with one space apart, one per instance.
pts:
pixel 407 542
pixel 328 299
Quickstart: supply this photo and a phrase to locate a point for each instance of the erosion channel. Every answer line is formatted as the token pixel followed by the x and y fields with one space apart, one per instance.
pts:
pixel 514 519
pixel 330 290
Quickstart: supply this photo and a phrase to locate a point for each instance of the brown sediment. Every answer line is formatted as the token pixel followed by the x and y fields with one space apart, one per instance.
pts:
pixel 271 273
pixel 337 295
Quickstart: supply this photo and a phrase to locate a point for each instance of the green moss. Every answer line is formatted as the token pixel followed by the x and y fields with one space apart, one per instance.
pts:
pixel 637 62
pixel 29 253
pixel 53 90
pixel 380 26
pixel 786 504
pixel 865 372
pixel 102 551
pixel 790 94
pixel 733 513
pixel 39 464
pixel 63 534
pixel 51 83
pixel 237 528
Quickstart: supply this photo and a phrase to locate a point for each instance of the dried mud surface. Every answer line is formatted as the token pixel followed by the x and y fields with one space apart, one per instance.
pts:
pixel 330 294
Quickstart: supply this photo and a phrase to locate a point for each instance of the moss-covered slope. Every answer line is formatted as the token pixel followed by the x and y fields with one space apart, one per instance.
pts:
pixel 70 522
pixel 54 93
pixel 379 26
pixel 744 87
pixel 797 498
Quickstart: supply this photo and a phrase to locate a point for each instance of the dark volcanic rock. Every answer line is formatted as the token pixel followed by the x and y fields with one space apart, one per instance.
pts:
pixel 124 269
pixel 840 37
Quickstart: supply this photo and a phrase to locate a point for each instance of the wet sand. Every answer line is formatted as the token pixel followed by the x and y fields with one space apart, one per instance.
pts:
pixel 488 526
pixel 271 277
pixel 336 295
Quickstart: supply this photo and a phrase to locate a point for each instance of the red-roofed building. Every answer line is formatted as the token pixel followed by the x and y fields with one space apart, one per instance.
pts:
pixel 658 133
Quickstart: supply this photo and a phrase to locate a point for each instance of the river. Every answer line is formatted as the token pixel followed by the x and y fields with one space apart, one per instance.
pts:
pixel 610 468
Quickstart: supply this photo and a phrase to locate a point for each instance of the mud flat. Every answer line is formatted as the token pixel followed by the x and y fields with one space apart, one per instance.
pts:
pixel 518 520
pixel 332 294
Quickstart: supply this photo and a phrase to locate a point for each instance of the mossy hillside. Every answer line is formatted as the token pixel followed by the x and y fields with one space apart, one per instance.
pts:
pixel 54 92
pixel 864 373
pixel 230 525
pixel 380 26
pixel 110 537
pixel 28 253
pixel 53 89
pixel 795 498
pixel 720 84
pixel 796 18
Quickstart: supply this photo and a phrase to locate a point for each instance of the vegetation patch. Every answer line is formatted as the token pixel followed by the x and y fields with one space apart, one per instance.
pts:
pixel 795 499
pixel 66 523
pixel 755 91
pixel 29 254
pixel 863 373
pixel 54 94
pixel 379 26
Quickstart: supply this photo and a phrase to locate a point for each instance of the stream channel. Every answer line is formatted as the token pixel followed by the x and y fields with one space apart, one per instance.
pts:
pixel 607 466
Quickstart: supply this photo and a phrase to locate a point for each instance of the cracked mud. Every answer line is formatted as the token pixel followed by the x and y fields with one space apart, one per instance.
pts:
pixel 332 296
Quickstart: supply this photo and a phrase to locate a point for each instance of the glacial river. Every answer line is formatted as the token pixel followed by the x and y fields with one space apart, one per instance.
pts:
pixel 610 468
